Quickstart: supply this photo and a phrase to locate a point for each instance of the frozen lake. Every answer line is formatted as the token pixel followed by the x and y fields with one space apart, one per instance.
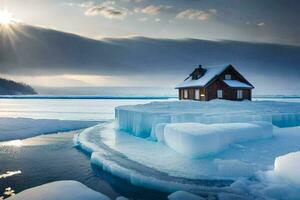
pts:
pixel 66 109
pixel 79 109
pixel 51 157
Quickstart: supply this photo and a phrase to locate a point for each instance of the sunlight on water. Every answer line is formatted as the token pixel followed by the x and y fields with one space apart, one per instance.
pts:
pixel 7 193
pixel 15 143
pixel 10 173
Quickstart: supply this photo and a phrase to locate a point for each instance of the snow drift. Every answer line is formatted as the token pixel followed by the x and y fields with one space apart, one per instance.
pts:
pixel 196 140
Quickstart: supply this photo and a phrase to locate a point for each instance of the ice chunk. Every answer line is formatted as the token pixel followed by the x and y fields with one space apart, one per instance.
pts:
pixel 66 190
pixel 196 140
pixel 287 166
pixel 158 132
pixel 179 195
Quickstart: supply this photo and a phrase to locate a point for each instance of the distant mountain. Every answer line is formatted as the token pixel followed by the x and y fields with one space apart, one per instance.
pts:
pixel 34 50
pixel 8 87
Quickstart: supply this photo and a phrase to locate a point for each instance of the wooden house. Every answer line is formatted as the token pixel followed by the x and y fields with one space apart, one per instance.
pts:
pixel 219 82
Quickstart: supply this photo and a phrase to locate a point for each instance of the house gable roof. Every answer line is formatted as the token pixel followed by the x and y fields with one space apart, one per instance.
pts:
pixel 211 74
pixel 237 84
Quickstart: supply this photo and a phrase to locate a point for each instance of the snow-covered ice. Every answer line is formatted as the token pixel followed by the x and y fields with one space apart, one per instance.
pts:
pixel 238 161
pixel 196 140
pixel 20 128
pixel 244 141
pixel 66 190
pixel 140 119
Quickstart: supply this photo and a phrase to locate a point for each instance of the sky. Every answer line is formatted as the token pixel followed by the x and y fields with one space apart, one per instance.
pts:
pixel 253 21
pixel 243 20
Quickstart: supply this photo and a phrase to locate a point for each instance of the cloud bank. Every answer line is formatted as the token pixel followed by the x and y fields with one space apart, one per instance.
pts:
pixel 38 51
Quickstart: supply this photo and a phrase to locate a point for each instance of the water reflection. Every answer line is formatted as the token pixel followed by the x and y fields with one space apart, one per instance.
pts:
pixel 52 157
pixel 8 192
pixel 15 143
pixel 10 173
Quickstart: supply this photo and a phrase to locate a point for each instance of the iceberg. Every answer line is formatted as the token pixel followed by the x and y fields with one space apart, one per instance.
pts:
pixel 140 120
pixel 66 190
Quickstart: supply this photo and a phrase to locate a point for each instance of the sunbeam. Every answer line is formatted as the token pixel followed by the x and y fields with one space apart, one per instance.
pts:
pixel 6 17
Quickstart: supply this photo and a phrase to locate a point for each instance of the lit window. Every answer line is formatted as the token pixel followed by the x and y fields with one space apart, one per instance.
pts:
pixel 197 94
pixel 219 94
pixel 185 93
pixel 239 94
pixel 228 77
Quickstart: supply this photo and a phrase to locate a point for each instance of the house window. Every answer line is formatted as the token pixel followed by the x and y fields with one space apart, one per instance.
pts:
pixel 239 94
pixel 197 94
pixel 185 94
pixel 227 76
pixel 219 94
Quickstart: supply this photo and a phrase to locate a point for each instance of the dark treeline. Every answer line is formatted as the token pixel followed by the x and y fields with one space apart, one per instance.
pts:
pixel 8 87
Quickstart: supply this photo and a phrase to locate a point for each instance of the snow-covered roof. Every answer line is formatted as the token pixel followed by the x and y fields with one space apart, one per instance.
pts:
pixel 210 73
pixel 237 84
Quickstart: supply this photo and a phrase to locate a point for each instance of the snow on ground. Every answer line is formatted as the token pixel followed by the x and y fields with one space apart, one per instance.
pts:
pixel 140 119
pixel 66 190
pixel 20 128
pixel 198 140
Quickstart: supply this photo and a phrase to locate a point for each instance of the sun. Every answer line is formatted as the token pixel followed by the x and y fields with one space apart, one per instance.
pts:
pixel 5 17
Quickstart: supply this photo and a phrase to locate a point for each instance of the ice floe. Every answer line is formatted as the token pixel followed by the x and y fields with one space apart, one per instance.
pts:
pixel 20 128
pixel 66 190
pixel 217 149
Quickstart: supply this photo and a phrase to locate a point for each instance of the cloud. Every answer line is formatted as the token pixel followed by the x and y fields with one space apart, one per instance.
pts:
pixel 152 9
pixel 106 11
pixel 192 14
pixel 261 24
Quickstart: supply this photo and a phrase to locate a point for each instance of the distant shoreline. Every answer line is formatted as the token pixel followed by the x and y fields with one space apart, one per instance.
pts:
pixel 80 97
pixel 119 97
